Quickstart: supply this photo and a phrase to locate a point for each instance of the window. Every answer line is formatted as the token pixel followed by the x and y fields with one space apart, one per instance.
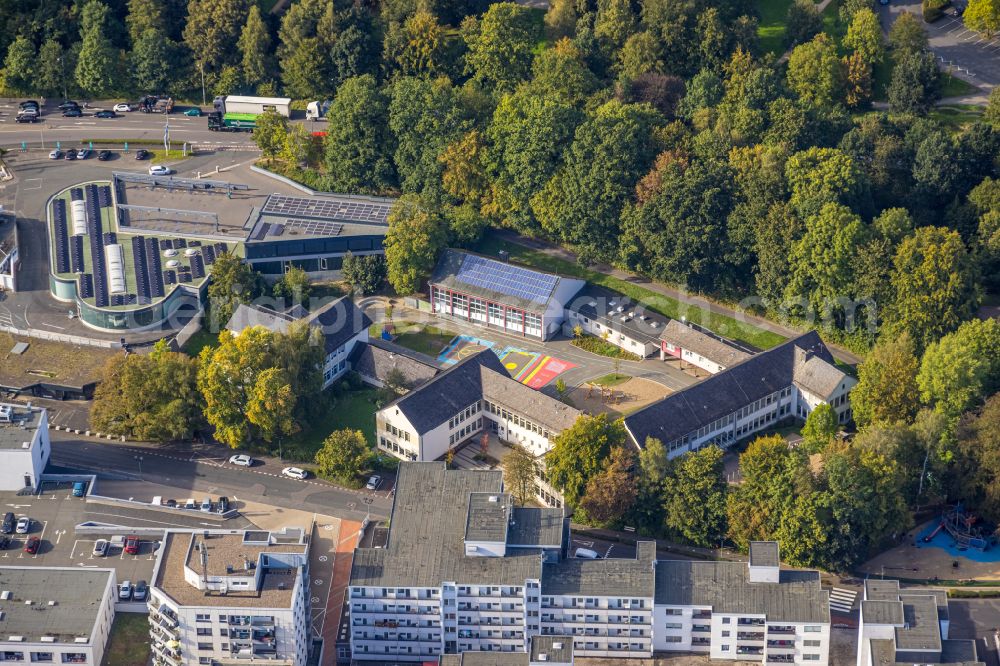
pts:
pixel 41 657
pixel 204 660
pixel 810 657
pixel 202 617
pixel 672 639
pixel 812 643
pixel 204 646
pixel 724 648
pixel 725 620
pixel 204 631
pixel 812 629
pixel 725 634
pixel 672 625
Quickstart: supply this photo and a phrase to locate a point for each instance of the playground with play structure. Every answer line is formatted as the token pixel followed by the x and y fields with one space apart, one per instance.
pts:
pixel 960 533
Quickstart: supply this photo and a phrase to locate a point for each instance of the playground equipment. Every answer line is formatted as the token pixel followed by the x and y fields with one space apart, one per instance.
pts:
pixel 963 528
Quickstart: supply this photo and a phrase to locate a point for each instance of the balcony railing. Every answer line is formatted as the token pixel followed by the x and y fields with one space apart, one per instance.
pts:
pixel 747 649
pixel 701 615
pixel 780 658
pixel 773 629
pixel 701 628
pixel 750 622
pixel 780 644
pixel 750 635
pixel 701 641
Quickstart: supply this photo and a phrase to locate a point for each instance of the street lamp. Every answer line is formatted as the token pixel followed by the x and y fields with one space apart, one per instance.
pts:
pixel 139 459
pixel 201 66
pixel 368 508
pixel 62 67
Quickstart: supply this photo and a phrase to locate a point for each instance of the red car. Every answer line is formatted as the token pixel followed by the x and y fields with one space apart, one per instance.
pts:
pixel 32 544
pixel 132 545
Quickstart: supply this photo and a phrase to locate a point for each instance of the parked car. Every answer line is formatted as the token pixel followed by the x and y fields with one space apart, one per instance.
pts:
pixel 106 114
pixel 56 154
pixel 132 545
pixel 68 104
pixel 23 525
pixel 4 542
pixel 101 547
pixel 223 504
pixel 373 482
pixel 206 504
pixel 28 104
pixel 32 544
pixel 7 527
pixel 72 113
pixel 125 591
pixel 104 155
pixel 80 487
pixel 242 460
pixel 159 170
pixel 123 107
pixel 172 503
pixel 190 504
pixel 83 153
pixel 142 154
pixel 26 118
pixel 586 554
pixel 70 155
pixel 195 112
pixel 294 473
pixel 141 589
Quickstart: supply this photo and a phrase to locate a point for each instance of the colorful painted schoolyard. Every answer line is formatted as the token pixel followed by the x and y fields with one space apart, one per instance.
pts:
pixel 530 368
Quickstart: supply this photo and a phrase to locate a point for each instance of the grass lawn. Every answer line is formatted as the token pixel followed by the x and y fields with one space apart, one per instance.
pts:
pixel 199 341
pixel 771 30
pixel 665 305
pixel 832 24
pixel 955 117
pixel 428 340
pixel 611 379
pixel 352 409
pixel 952 86
pixel 128 644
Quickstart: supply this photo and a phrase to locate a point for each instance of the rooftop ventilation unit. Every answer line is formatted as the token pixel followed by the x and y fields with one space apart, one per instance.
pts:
pixel 15 639
pixel 81 639
pixel 52 603
pixel 48 639
pixel 6 594
pixel 494 498
pixel 543 657
pixel 557 646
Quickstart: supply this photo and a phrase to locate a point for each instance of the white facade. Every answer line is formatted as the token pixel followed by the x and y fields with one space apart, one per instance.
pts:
pixel 85 647
pixel 688 356
pixel 619 336
pixel 335 365
pixel 24 445
pixel 601 626
pixel 8 268
pixel 206 617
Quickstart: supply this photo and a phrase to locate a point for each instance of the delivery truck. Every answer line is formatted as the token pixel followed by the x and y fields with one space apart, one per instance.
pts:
pixel 317 110
pixel 226 104
pixel 232 122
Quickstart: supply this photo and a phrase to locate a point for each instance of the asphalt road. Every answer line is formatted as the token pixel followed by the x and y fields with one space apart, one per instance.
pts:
pixel 189 473
pixel 53 127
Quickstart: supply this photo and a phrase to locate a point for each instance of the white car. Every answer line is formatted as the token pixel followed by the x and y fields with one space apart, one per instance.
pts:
pixel 242 460
pixel 23 525
pixel 294 473
pixel 159 170
pixel 56 154
pixel 101 547
pixel 374 482
pixel 123 107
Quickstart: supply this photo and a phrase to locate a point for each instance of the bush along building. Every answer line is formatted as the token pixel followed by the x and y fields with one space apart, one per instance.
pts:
pixel 783 383
pixel 464 572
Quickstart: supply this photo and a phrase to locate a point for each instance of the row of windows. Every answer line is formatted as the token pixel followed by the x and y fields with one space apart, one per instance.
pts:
pixel 516 419
pixel 396 432
pixel 390 445
pixel 757 405
pixel 474 408
pixel 465 432
pixel 45 657
pixel 480 310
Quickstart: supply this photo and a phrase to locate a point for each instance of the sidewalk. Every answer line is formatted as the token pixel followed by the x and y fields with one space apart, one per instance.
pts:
pixel 684 297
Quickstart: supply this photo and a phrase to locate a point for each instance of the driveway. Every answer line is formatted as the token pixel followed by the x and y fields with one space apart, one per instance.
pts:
pixel 959 50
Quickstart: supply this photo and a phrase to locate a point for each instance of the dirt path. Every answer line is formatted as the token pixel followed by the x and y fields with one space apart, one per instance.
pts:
pixel 627 397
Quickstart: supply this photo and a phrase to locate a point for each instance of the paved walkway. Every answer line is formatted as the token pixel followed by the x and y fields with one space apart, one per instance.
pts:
pixel 348 536
pixel 682 296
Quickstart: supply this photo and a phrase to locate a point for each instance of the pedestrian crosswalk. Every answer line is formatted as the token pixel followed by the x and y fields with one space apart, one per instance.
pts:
pixel 841 600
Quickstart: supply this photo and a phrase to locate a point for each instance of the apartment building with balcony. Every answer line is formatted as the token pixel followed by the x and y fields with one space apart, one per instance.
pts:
pixel 739 611
pixel 55 615
pixel 908 626
pixel 604 606
pixel 544 651
pixel 783 383
pixel 230 597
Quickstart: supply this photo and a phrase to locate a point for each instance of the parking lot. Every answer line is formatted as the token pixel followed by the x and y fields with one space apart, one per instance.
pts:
pixel 966 53
pixel 55 515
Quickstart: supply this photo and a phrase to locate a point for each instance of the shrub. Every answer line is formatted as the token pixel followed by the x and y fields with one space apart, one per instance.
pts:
pixel 934 9
pixel 598 346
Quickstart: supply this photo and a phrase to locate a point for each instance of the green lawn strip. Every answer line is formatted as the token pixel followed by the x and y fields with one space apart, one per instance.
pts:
pixel 428 340
pixel 128 644
pixel 952 86
pixel 665 305
pixel 832 24
pixel 351 409
pixel 956 116
pixel 611 379
pixel 772 26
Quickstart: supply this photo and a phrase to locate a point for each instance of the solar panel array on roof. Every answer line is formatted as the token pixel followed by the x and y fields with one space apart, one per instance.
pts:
pixel 170 277
pixel 86 285
pixel 62 236
pixel 141 268
pixel 328 209
pixel 154 270
pixel 506 279
pixel 76 254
